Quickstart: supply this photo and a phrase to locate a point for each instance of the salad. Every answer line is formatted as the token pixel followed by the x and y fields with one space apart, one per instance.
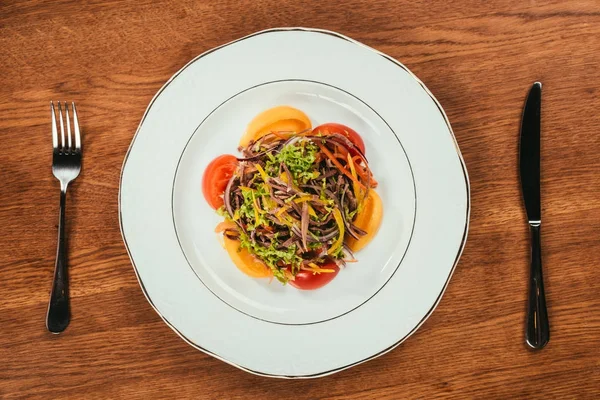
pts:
pixel 298 202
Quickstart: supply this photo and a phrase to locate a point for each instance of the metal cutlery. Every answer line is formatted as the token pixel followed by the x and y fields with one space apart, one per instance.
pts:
pixel 538 328
pixel 66 165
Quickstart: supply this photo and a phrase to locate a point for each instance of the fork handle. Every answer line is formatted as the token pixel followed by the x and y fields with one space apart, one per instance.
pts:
pixel 538 328
pixel 59 314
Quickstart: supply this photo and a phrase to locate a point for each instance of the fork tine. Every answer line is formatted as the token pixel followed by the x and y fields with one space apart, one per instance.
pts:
pixel 68 127
pixel 54 129
pixel 62 128
pixel 76 127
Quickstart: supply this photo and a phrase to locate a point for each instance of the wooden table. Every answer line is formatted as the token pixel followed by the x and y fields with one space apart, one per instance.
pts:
pixel 478 58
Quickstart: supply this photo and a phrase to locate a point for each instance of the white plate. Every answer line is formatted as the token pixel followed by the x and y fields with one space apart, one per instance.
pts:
pixel 269 329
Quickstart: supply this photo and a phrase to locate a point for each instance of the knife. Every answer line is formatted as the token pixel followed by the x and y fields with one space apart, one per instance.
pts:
pixel 538 330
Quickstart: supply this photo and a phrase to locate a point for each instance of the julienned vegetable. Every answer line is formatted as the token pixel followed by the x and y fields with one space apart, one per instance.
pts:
pixel 297 202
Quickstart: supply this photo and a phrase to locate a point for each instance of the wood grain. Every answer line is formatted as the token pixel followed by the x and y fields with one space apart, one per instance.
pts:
pixel 478 58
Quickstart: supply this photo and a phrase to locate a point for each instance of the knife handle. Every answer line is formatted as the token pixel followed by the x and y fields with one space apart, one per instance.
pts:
pixel 538 329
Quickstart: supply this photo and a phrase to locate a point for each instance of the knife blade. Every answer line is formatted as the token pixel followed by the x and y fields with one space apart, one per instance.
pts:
pixel 530 153
pixel 537 332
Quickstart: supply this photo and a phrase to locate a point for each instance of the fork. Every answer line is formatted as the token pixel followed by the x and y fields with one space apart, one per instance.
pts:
pixel 66 165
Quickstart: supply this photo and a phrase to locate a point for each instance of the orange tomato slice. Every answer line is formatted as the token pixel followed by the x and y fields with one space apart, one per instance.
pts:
pixel 276 119
pixel 245 261
pixel 369 220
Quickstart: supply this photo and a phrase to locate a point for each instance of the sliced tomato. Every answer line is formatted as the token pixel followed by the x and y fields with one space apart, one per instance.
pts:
pixel 215 179
pixel 245 261
pixel 369 220
pixel 332 127
pixel 307 280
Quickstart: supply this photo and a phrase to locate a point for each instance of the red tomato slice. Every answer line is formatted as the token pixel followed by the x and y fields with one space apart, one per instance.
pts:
pixel 307 280
pixel 215 179
pixel 332 127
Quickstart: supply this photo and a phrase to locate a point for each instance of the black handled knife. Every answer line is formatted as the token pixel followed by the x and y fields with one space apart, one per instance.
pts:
pixel 538 329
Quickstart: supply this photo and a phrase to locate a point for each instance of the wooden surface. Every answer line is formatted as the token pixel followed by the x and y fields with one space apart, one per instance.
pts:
pixel 478 58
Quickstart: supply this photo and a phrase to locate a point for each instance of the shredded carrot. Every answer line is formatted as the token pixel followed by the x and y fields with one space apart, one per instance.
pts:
pixel 304 132
pixel 363 173
pixel 338 165
pixel 339 156
pixel 341 152
pixel 341 149
pixel 280 135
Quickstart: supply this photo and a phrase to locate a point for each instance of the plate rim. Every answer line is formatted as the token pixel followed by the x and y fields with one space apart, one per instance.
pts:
pixel 457 149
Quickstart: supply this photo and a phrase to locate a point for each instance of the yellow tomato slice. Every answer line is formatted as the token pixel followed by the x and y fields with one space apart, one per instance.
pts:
pixel 245 261
pixel 276 119
pixel 369 220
